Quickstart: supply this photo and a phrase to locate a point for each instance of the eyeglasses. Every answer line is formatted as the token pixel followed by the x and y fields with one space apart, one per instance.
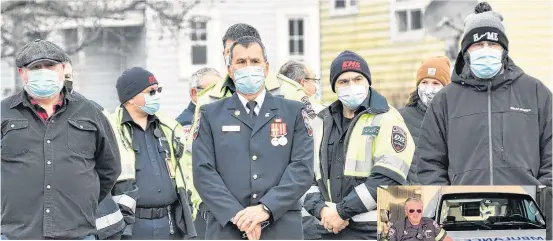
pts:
pixel 153 91
pixel 313 79
pixel 413 210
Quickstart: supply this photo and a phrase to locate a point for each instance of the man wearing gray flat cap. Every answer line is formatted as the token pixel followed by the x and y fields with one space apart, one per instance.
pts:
pixel 59 154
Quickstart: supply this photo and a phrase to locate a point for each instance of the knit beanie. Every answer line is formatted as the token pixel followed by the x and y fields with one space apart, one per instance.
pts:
pixel 345 62
pixel 438 68
pixel 484 25
pixel 132 82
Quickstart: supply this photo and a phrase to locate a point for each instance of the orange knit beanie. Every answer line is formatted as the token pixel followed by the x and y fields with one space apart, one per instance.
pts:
pixel 438 68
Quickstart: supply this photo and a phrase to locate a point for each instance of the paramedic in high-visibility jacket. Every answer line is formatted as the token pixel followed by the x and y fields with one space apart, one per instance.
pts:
pixel 276 84
pixel 151 148
pixel 363 143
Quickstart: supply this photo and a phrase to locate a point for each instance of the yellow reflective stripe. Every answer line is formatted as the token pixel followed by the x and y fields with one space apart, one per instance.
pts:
pixel 108 220
pixel 365 196
pixel 369 143
pixel 440 235
pixel 125 200
pixel 126 151
pixel 393 163
pixel 355 165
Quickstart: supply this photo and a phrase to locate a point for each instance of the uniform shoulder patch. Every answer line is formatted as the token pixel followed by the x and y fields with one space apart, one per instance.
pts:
pixel 186 130
pixel 399 139
pixel 308 107
pixel 306 122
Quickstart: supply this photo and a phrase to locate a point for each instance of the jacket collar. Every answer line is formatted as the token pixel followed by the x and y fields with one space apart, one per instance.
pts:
pixel 191 107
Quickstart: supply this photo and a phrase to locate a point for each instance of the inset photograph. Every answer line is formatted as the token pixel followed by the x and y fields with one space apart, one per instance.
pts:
pixel 463 213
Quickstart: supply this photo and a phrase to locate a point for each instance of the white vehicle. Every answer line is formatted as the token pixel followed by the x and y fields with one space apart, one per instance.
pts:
pixel 488 214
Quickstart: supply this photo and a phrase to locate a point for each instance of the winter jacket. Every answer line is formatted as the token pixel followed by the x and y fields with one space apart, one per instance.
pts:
pixel 487 132
pixel 413 114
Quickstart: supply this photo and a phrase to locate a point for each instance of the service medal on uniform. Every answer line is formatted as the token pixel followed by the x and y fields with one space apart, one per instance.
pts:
pixel 278 133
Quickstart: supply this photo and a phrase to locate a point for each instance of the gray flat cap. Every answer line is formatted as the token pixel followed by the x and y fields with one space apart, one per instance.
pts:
pixel 40 50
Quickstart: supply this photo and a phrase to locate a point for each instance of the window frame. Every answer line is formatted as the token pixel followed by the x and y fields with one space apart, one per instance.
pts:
pixel 196 31
pixel 408 6
pixel 296 37
pixel 348 10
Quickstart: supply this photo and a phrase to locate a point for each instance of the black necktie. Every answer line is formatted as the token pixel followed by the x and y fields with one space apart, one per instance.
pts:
pixel 251 106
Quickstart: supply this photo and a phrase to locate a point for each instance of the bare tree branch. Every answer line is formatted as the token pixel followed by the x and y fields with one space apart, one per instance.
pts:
pixel 27 19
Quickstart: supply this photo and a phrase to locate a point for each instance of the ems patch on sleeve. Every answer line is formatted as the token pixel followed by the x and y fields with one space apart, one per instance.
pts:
pixel 306 122
pixel 399 139
pixel 186 130
pixel 311 113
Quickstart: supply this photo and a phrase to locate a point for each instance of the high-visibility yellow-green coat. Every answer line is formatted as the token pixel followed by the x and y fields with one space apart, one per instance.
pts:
pixel 376 141
pixel 182 173
pixel 277 84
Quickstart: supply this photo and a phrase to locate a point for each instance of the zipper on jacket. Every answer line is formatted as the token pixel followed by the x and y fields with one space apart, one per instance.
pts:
pixel 490 149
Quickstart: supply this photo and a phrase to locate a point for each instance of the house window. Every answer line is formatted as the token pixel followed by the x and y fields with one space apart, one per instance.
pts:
pixel 406 20
pixel 343 7
pixel 296 37
pixel 198 38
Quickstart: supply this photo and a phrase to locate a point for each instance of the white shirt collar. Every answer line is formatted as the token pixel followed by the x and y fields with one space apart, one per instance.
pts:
pixel 259 99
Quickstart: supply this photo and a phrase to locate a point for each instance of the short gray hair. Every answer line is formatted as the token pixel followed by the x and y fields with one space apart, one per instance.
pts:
pixel 412 199
pixel 196 78
pixel 294 70
pixel 247 41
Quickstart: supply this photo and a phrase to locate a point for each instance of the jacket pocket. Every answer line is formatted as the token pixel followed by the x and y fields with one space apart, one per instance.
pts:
pixel 14 133
pixel 81 137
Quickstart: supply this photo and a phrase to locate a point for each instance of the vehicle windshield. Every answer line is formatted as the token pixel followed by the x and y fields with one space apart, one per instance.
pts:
pixel 489 211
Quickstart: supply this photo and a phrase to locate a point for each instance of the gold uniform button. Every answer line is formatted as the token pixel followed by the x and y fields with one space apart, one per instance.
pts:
pixel 254 157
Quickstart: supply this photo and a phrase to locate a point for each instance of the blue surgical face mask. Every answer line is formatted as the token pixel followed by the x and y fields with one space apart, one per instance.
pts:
pixel 249 80
pixel 352 96
pixel 485 63
pixel 151 103
pixel 43 83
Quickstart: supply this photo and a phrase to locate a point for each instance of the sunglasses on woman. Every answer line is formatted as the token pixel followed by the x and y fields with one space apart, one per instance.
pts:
pixel 413 210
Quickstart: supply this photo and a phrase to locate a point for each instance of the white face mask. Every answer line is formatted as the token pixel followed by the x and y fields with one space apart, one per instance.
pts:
pixel 352 96
pixel 427 93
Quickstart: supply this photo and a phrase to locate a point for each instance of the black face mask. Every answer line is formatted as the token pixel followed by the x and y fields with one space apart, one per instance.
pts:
pixel 68 85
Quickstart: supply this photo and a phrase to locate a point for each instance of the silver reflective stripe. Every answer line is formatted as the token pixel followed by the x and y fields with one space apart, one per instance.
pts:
pixel 393 161
pixel 365 196
pixel 304 213
pixel 108 220
pixel 369 144
pixel 313 189
pixel 365 217
pixel 126 201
